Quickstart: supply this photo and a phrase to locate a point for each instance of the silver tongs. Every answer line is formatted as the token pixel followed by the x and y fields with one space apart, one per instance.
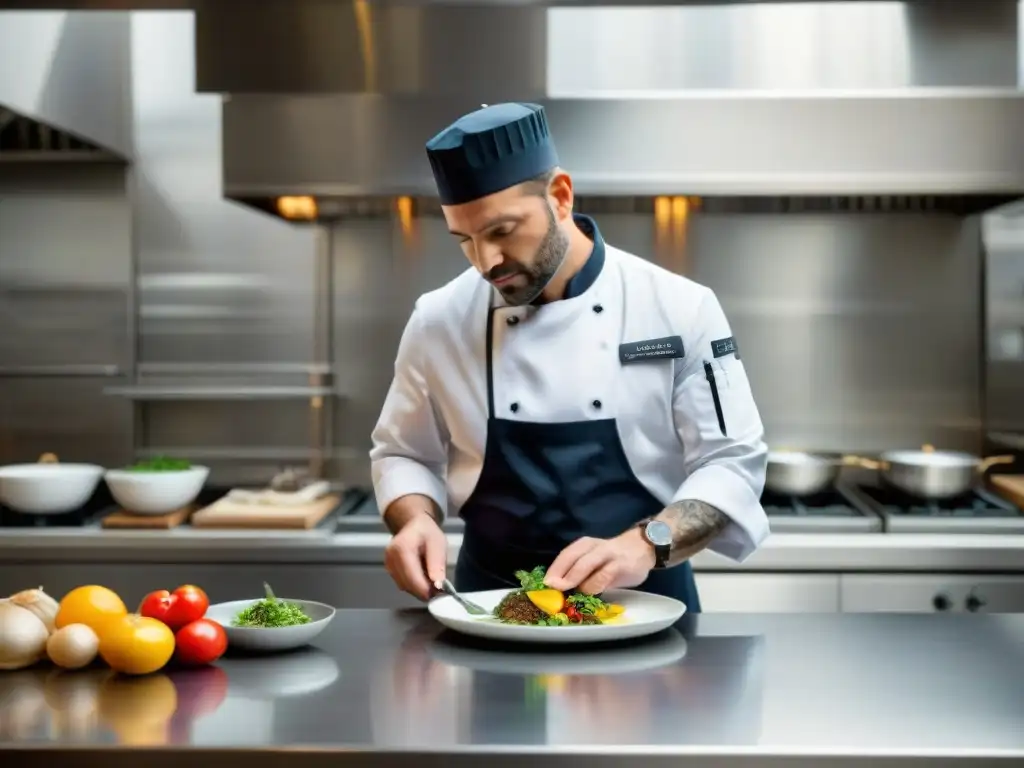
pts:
pixel 449 589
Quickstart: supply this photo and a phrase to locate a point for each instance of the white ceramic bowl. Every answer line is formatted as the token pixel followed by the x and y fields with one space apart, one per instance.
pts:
pixel 155 493
pixel 271 639
pixel 48 489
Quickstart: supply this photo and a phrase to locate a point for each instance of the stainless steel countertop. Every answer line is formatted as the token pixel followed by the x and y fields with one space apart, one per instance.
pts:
pixel 387 688
pixel 784 552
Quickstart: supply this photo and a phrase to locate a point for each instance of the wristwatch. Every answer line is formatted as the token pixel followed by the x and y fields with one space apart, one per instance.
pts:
pixel 658 535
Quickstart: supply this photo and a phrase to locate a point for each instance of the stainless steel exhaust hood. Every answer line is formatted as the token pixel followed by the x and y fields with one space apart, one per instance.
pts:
pixel 334 101
pixel 939 143
pixel 24 139
pixel 65 87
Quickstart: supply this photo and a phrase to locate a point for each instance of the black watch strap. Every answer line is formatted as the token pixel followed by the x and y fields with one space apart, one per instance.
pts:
pixel 662 545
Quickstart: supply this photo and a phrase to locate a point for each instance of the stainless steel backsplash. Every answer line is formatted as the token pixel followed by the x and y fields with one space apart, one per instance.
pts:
pixel 859 332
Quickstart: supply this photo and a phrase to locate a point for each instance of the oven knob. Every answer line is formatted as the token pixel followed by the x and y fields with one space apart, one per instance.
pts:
pixel 941 602
pixel 974 603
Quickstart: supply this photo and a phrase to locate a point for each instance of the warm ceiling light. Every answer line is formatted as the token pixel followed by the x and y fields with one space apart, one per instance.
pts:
pixel 303 208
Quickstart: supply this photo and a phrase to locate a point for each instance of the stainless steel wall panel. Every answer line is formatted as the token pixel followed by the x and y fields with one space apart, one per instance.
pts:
pixel 859 332
pixel 217 283
pixel 65 266
pixel 225 295
pixel 788 46
pixel 65 287
pixel 1004 321
pixel 68 416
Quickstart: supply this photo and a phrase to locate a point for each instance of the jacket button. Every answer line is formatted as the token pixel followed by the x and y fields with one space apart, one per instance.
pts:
pixel 596 404
pixel 514 407
pixel 598 308
pixel 513 320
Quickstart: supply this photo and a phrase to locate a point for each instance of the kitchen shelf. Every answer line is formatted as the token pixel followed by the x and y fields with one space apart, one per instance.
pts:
pixel 228 453
pixel 153 392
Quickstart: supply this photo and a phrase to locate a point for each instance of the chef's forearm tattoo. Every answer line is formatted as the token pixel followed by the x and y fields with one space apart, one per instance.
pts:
pixel 694 525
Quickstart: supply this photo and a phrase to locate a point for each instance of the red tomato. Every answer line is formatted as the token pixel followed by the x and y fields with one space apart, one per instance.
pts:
pixel 175 609
pixel 200 642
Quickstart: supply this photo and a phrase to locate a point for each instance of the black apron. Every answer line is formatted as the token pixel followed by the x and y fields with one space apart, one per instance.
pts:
pixel 541 487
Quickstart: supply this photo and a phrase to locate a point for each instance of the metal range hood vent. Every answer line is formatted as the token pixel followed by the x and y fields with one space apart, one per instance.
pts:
pixel 24 139
pixel 306 209
pixel 335 101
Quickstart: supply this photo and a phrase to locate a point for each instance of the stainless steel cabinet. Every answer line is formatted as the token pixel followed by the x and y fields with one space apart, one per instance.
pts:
pixel 931 592
pixel 768 592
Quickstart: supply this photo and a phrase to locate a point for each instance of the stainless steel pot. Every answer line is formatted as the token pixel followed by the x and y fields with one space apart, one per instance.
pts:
pixel 802 473
pixel 931 474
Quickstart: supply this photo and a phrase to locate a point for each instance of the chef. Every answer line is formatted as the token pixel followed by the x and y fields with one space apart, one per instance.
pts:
pixel 578 407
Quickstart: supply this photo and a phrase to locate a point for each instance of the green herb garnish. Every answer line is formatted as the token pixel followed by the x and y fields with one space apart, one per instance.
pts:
pixel 532 580
pixel 161 464
pixel 271 613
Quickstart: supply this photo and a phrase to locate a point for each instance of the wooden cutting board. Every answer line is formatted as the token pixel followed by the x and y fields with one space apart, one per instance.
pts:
pixel 1010 487
pixel 123 519
pixel 225 513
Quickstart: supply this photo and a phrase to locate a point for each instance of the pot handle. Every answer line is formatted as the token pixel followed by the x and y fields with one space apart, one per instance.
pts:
pixel 986 464
pixel 862 462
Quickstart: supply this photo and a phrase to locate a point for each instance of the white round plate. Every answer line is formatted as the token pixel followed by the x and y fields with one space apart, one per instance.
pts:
pixel 274 638
pixel 668 648
pixel 644 614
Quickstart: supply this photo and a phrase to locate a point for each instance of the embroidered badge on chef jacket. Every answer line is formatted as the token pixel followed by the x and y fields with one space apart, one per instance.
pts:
pixel 666 348
pixel 723 347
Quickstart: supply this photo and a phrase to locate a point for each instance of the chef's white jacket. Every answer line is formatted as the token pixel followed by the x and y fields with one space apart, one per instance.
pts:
pixel 560 362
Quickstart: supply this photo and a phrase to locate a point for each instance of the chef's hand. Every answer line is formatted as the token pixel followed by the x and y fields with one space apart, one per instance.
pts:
pixel 595 565
pixel 416 555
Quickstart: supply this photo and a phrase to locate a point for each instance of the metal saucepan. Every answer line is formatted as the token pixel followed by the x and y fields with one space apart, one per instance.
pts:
pixel 803 473
pixel 931 474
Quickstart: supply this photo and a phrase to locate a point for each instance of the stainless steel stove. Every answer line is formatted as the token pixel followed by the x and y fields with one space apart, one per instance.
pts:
pixel 831 511
pixel 977 511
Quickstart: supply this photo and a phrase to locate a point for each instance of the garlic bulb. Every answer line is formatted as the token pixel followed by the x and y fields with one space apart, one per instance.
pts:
pixel 41 604
pixel 22 637
pixel 73 647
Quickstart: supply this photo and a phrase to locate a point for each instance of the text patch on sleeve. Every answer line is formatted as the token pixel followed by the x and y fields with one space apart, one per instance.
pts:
pixel 723 347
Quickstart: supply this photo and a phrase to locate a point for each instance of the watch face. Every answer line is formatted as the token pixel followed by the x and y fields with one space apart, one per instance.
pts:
pixel 659 534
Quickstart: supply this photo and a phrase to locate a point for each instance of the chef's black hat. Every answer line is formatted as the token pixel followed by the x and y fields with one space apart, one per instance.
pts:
pixel 489 150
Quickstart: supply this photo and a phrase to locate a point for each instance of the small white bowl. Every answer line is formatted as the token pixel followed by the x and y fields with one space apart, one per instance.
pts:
pixel 155 493
pixel 48 489
pixel 271 638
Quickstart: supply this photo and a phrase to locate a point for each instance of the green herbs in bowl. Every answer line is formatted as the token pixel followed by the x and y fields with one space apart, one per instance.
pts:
pixel 271 613
pixel 271 623
pixel 161 464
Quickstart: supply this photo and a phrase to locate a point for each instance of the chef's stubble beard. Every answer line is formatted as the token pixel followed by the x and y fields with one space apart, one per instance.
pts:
pixel 550 255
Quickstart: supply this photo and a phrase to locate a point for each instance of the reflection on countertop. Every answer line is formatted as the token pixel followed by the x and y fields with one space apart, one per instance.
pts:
pixel 386 681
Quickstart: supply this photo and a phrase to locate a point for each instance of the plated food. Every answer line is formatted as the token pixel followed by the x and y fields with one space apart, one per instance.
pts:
pixel 535 614
pixel 535 604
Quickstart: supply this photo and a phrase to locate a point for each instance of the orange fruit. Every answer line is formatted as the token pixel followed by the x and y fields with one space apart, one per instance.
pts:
pixel 89 605
pixel 136 645
pixel 551 601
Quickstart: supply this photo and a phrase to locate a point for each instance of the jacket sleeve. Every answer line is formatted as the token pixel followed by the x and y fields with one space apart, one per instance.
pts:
pixel 410 442
pixel 724 449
